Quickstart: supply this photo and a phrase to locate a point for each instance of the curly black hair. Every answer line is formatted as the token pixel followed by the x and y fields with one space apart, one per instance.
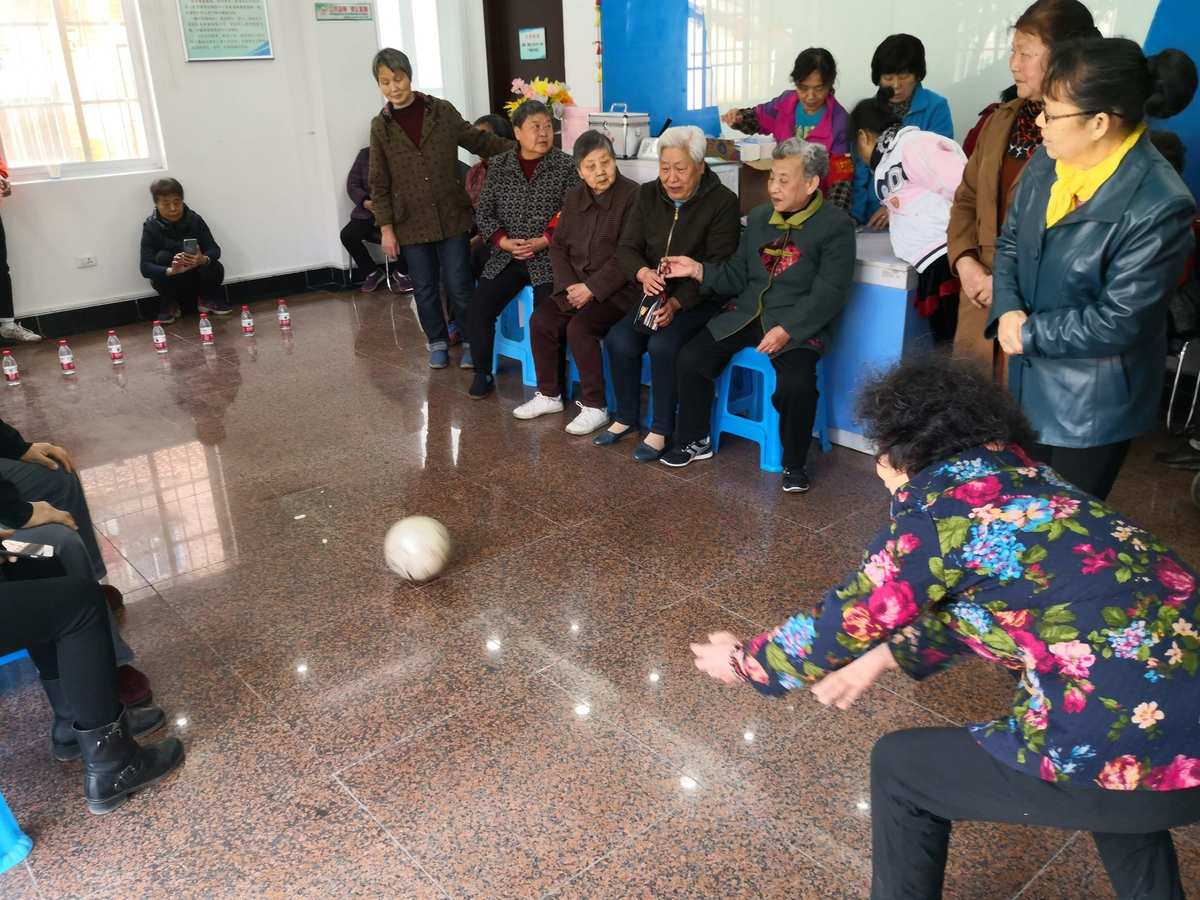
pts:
pixel 928 407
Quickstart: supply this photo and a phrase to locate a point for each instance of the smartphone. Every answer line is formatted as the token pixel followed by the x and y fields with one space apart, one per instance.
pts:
pixel 27 550
pixel 191 246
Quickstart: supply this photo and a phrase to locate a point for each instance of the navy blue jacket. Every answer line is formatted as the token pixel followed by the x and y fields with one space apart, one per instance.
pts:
pixel 161 240
pixel 929 112
pixel 1095 288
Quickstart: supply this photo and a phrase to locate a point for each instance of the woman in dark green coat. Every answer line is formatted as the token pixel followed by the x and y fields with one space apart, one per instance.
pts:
pixel 790 277
pixel 1096 239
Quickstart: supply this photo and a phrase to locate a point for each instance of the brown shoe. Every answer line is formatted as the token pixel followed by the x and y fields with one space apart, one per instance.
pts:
pixel 133 687
pixel 116 600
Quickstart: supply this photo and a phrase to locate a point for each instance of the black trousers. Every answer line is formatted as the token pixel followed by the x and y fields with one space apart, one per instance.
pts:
pixel 704 358
pixel 1093 469
pixel 625 348
pixel 184 289
pixel 925 779
pixel 63 622
pixel 6 293
pixel 488 301
pixel 355 236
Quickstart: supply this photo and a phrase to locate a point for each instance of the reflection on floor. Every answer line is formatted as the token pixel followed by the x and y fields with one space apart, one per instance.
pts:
pixel 528 724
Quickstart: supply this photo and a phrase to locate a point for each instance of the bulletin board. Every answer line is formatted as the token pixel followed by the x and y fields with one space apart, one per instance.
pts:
pixel 216 30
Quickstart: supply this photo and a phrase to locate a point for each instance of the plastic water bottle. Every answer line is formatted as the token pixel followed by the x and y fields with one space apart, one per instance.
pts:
pixel 158 334
pixel 114 348
pixel 66 358
pixel 282 314
pixel 206 332
pixel 12 375
pixel 247 322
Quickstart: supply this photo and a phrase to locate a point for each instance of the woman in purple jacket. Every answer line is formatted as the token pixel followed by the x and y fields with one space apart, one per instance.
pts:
pixel 989 553
pixel 810 112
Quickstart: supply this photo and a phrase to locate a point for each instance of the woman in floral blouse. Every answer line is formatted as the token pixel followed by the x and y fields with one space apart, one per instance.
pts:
pixel 989 553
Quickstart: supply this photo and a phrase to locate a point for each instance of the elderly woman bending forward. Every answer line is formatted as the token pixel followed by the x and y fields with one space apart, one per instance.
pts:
pixel 791 276
pixel 591 293
pixel 686 211
pixel 988 554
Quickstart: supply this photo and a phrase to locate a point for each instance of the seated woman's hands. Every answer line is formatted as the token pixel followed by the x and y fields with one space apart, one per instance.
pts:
pixel 579 295
pixel 652 282
pixel 45 514
pixel 683 267
pixel 49 455
pixel 842 687
pixel 774 341
pixel 523 248
pixel 665 313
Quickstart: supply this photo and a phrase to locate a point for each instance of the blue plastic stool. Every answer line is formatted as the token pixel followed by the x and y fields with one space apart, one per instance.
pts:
pixel 513 337
pixel 743 407
pixel 14 843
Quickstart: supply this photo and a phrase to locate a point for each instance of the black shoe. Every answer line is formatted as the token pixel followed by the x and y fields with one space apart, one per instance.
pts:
pixel 63 745
pixel 681 456
pixel 166 318
pixel 114 766
pixel 643 452
pixel 214 307
pixel 795 481
pixel 481 386
pixel 1189 463
pixel 607 438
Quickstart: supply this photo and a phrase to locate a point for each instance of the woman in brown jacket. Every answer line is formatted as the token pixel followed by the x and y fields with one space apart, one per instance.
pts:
pixel 591 292
pixel 419 200
pixel 1007 141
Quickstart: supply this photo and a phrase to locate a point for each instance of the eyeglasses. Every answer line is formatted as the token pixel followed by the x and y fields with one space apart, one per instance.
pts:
pixel 1087 112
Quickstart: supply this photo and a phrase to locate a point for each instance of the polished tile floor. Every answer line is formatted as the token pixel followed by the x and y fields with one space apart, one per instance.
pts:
pixel 528 724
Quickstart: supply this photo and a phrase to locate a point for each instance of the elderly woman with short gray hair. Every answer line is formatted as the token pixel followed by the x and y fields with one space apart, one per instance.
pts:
pixel 685 211
pixel 591 293
pixel 791 277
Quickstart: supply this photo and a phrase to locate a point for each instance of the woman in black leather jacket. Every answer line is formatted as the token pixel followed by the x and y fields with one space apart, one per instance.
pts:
pixel 1096 239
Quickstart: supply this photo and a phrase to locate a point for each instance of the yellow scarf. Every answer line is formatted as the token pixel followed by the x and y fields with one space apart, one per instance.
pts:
pixel 1076 186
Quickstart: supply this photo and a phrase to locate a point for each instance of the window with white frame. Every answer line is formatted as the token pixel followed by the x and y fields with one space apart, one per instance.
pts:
pixel 413 27
pixel 737 51
pixel 75 98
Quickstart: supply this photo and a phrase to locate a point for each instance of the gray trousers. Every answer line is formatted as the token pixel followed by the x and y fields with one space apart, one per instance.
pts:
pixel 77 550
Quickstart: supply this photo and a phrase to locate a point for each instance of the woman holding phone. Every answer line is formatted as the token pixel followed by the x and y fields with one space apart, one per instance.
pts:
pixel 180 256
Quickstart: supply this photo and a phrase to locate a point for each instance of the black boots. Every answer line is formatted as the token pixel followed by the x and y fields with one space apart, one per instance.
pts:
pixel 115 766
pixel 63 745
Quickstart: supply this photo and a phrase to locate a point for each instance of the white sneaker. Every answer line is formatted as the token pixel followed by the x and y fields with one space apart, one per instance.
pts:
pixel 14 331
pixel 540 405
pixel 589 419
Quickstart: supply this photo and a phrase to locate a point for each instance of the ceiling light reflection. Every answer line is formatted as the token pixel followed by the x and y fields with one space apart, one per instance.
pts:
pixel 582 709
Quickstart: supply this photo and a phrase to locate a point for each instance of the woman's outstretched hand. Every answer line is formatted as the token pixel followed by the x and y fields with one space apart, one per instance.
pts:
pixel 845 685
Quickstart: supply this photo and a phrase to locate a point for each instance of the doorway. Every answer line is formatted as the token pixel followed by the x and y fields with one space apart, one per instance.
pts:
pixel 503 21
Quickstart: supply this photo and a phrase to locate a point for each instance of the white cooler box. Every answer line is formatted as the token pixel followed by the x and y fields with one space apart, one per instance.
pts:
pixel 623 128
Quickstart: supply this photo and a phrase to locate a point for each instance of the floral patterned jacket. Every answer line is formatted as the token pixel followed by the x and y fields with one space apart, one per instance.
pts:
pixel 992 554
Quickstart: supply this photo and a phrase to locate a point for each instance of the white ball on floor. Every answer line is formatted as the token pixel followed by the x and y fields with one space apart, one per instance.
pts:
pixel 417 548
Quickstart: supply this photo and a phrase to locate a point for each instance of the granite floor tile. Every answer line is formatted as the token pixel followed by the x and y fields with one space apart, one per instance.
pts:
pixel 510 799
pixel 725 855
pixel 531 722
pixel 18 883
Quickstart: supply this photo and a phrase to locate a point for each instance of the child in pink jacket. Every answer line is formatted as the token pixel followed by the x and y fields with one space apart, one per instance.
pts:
pixel 914 175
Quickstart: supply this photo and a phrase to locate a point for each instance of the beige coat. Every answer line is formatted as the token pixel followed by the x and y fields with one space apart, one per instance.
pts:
pixel 974 225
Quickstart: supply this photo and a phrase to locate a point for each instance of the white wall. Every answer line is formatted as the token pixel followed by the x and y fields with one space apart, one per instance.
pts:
pixel 262 149
pixel 579 32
